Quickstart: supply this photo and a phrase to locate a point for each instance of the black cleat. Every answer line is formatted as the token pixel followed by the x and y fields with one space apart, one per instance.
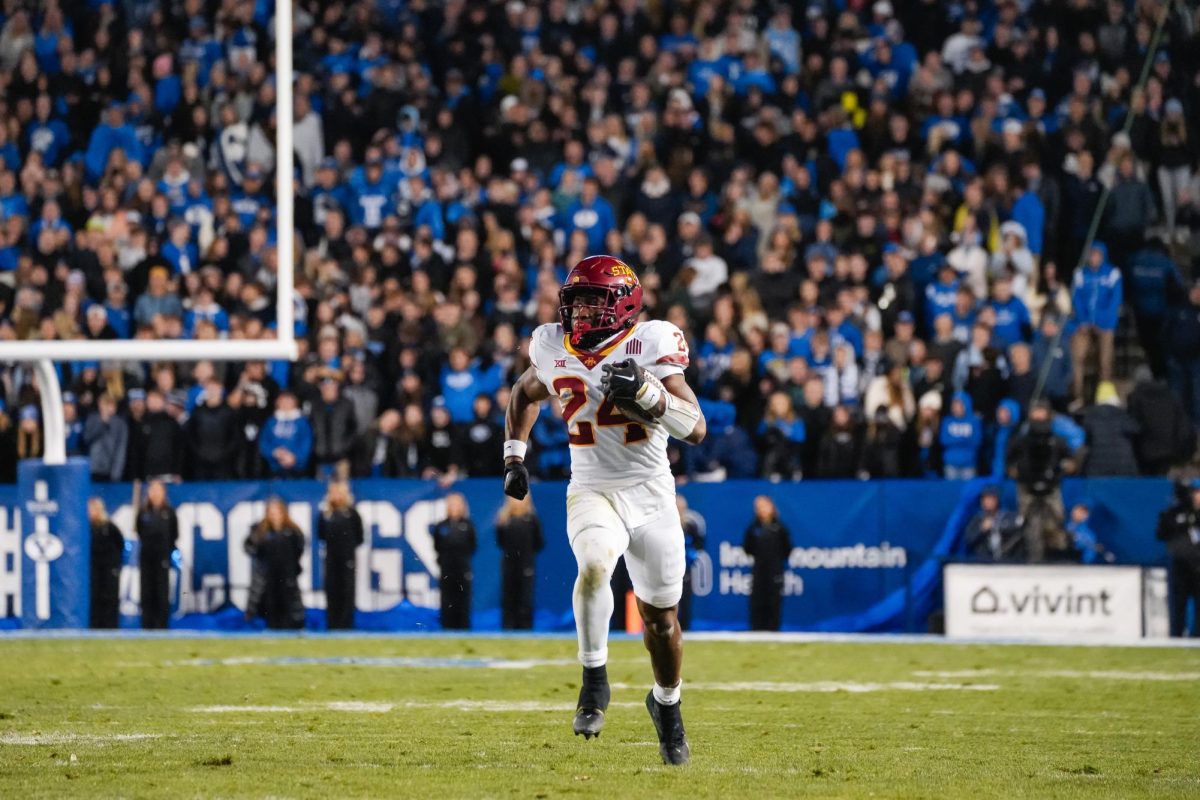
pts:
pixel 672 740
pixel 593 702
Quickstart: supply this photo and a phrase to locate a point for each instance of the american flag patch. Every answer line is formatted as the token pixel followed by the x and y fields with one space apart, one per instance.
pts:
pixel 633 347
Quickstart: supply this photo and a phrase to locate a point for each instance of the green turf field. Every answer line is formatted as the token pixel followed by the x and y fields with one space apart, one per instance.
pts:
pixel 439 717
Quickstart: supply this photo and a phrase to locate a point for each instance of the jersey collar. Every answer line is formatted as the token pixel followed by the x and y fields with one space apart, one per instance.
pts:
pixel 591 358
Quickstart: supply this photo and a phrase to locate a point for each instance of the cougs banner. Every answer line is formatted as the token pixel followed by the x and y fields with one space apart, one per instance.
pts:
pixel 867 556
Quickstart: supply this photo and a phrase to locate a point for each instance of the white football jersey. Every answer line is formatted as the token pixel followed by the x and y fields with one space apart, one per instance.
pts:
pixel 608 450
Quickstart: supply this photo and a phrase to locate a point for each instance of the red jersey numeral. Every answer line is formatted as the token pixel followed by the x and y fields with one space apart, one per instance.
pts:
pixel 572 392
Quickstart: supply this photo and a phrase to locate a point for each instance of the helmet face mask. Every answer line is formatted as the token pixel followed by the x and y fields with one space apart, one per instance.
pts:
pixel 601 298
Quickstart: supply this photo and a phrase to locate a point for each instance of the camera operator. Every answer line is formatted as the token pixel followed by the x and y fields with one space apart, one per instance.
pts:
pixel 1179 528
pixel 1038 458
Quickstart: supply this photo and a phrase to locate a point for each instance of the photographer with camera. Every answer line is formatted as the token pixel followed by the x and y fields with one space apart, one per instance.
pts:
pixel 1179 528
pixel 1038 459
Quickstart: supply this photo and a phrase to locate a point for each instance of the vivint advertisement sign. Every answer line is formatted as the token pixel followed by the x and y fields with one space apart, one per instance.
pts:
pixel 1052 602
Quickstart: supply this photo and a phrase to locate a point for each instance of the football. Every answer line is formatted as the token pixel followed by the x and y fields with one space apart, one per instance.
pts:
pixel 635 412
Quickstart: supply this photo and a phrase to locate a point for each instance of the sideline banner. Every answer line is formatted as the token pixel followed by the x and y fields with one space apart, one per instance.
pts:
pixel 55 543
pixel 1053 601
pixel 867 556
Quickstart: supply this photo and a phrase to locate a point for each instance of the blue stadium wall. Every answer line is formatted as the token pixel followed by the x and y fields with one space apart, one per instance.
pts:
pixel 867 554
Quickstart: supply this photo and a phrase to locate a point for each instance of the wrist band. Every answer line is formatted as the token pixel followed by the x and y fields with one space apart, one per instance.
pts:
pixel 648 396
pixel 515 448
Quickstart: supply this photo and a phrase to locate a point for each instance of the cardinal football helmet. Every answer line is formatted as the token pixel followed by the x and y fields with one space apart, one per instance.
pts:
pixel 600 298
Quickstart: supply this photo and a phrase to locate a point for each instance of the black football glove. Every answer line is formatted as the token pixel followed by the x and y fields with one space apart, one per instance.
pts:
pixel 622 380
pixel 516 480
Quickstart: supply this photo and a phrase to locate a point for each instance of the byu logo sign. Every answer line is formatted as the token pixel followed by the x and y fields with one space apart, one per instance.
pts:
pixel 43 546
pixel 55 589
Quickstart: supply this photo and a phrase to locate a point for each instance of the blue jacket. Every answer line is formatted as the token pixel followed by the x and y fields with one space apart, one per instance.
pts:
pixel 1013 323
pixel 1029 211
pixel 1066 429
pixel 961 436
pixel 1096 294
pixel 1156 280
pixel 291 433
pixel 1085 541
pixel 1058 379
pixel 939 299
pixel 104 140
pixel 1002 436
pixel 596 220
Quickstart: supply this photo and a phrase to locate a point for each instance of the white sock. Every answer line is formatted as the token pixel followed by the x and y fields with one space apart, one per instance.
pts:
pixel 668 697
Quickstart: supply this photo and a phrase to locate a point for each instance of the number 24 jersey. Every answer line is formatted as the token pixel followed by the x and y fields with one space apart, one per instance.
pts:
pixel 608 450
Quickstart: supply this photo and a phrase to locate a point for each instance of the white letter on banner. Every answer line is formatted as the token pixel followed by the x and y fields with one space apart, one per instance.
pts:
pixel 381 519
pixel 417 521
pixel 206 518
pixel 702 574
pixel 240 518
pixel 10 553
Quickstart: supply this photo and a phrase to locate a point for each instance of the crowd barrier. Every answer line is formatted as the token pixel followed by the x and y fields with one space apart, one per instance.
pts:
pixel 867 556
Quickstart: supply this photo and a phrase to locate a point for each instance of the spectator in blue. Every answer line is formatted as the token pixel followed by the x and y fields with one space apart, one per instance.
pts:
pixel 961 435
pixel 591 214
pixel 328 193
pixel 247 200
pixel 1084 539
pixel 206 308
pixel 1008 420
pixel 726 452
pixel 551 445
pixel 72 423
pixel 1155 286
pixel 1048 346
pixel 371 196
pixel 116 305
pixel 159 299
pixel 782 349
pixel 286 439
pixel 1013 323
pixel 1031 214
pixel 47 134
pixel 781 435
pixel 461 382
pixel 114 133
pixel 940 296
pixel 179 250
pixel 783 40
pixel 1096 297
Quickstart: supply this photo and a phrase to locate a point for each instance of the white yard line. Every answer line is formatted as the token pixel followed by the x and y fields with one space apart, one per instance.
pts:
pixel 852 687
pixel 1109 675
pixel 69 738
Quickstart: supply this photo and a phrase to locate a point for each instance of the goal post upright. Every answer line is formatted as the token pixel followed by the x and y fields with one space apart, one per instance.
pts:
pixel 43 354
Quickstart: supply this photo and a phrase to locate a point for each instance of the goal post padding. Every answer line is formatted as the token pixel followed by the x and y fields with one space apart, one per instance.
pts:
pixel 56 543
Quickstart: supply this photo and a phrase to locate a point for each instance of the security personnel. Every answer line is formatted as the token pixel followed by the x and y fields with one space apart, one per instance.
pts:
pixel 108 547
pixel 1179 528
pixel 767 540
pixel 454 540
pixel 519 535
pixel 157 530
pixel 341 528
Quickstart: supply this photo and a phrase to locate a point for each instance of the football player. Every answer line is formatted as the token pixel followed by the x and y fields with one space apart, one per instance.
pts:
pixel 621 385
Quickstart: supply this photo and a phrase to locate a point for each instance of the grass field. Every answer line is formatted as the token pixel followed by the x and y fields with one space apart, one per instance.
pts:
pixel 446 717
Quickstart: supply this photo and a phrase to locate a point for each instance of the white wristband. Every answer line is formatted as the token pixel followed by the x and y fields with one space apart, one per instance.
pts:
pixel 648 396
pixel 514 447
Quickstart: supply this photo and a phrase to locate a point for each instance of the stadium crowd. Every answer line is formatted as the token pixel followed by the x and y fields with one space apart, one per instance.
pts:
pixel 871 220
